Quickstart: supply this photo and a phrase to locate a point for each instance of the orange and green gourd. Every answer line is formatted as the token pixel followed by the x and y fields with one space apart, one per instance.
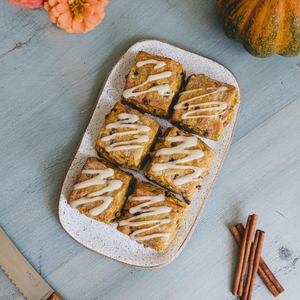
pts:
pixel 264 27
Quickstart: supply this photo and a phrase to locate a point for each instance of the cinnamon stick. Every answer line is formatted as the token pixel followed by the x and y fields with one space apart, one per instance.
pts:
pixel 264 272
pixel 272 283
pixel 240 227
pixel 238 237
pixel 241 259
pixel 256 262
pixel 251 265
pixel 252 226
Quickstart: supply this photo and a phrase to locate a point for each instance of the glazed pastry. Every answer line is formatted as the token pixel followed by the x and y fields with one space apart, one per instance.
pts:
pixel 152 216
pixel 206 107
pixel 180 162
pixel 127 137
pixel 101 190
pixel 153 83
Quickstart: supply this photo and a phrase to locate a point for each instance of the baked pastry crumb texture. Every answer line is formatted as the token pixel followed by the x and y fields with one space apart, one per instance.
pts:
pixel 180 162
pixel 206 107
pixel 153 84
pixel 127 137
pixel 101 191
pixel 152 216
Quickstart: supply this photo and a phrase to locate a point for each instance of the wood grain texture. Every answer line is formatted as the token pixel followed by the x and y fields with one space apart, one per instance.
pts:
pixel 54 296
pixel 49 81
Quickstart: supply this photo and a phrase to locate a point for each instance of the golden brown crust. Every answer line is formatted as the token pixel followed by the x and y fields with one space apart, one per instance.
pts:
pixel 134 158
pixel 176 215
pixel 166 177
pixel 152 102
pixel 110 214
pixel 214 127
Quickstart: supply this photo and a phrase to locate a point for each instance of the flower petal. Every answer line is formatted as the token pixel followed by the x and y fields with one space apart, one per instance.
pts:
pixel 80 18
pixel 91 1
pixel 47 6
pixel 88 26
pixel 102 15
pixel 55 12
pixel 98 8
pixel 62 7
pixel 64 18
pixel 87 16
pixel 95 19
pixel 99 22
pixel 104 2
pixel 90 9
pixel 52 18
pixel 52 2
pixel 66 25
pixel 77 26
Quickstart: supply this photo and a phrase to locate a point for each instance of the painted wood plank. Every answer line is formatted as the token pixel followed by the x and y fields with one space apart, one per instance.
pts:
pixel 260 182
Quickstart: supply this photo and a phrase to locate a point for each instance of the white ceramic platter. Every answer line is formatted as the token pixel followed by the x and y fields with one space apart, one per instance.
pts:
pixel 102 238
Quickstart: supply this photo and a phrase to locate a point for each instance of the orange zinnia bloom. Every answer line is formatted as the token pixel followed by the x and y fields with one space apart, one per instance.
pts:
pixel 76 15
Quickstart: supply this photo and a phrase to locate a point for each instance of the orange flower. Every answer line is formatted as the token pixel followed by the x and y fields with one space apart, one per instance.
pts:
pixel 76 15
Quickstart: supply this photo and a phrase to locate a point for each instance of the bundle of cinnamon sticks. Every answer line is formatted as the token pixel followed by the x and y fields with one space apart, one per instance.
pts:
pixel 251 253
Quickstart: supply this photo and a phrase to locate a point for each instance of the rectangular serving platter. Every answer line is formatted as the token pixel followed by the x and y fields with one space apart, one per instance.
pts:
pixel 102 238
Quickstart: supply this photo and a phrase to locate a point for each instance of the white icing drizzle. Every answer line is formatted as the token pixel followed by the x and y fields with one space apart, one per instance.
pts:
pixel 220 105
pixel 161 89
pixel 151 211
pixel 126 120
pixel 99 179
pixel 158 64
pixel 95 196
pixel 185 142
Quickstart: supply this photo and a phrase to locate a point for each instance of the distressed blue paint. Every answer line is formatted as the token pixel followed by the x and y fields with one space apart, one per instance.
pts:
pixel 48 77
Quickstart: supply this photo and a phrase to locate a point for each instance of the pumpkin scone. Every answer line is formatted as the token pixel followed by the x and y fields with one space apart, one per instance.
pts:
pixel 153 84
pixel 101 190
pixel 152 216
pixel 126 137
pixel 206 107
pixel 180 162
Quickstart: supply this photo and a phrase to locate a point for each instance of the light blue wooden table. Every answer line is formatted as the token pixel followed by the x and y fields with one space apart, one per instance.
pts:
pixel 49 81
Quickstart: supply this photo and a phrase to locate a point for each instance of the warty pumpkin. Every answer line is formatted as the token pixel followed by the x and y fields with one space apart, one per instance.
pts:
pixel 264 27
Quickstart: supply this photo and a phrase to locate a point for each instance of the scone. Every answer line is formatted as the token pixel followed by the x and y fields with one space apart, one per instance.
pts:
pixel 153 83
pixel 206 107
pixel 101 190
pixel 126 137
pixel 180 162
pixel 152 216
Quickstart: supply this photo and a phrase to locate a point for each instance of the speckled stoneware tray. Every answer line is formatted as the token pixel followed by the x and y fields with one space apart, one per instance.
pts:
pixel 107 240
